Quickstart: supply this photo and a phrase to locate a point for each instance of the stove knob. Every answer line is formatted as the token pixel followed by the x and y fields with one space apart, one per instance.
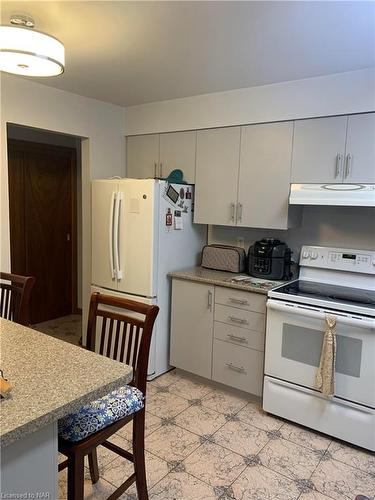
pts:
pixel 305 254
pixel 314 255
pixel 373 263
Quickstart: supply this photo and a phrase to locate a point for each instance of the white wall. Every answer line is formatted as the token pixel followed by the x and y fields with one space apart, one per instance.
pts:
pixel 342 93
pixel 31 104
pixel 346 227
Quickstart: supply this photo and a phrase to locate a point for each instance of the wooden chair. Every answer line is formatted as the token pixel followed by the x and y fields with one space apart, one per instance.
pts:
pixel 125 337
pixel 15 297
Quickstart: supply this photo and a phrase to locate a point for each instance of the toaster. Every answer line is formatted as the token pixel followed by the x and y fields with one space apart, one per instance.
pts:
pixel 224 258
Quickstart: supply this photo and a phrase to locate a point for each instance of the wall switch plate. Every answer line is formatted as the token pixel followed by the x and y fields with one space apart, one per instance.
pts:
pixel 241 241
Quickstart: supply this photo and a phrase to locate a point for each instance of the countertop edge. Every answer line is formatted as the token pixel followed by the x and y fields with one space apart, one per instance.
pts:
pixel 53 416
pixel 199 279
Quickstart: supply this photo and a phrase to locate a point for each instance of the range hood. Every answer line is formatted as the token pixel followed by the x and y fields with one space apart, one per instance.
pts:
pixel 351 195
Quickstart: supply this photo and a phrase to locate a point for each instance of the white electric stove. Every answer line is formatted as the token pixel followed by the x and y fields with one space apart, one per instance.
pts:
pixel 340 282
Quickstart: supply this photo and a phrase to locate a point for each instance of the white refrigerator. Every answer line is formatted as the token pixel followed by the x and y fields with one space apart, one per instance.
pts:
pixel 142 229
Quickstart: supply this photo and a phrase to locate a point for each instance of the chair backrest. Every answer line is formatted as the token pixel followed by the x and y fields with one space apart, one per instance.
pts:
pixel 121 329
pixel 15 297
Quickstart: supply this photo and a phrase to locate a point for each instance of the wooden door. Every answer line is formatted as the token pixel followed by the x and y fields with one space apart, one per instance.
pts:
pixel 360 149
pixel 318 150
pixel 192 327
pixel 142 156
pixel 216 176
pixel 264 181
pixel 42 202
pixel 177 150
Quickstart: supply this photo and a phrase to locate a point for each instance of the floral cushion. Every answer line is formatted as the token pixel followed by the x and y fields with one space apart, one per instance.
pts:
pixel 101 413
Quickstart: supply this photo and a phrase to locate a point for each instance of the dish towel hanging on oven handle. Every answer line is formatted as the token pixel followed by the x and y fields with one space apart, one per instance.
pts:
pixel 325 376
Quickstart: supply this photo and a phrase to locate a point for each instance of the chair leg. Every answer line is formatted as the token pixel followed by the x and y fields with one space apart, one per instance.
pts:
pixel 75 477
pixel 139 454
pixel 93 465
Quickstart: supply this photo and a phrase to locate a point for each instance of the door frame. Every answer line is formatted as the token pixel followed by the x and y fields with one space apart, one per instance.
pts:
pixel 30 146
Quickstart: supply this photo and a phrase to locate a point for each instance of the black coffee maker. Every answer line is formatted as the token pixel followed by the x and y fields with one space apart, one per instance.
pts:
pixel 269 259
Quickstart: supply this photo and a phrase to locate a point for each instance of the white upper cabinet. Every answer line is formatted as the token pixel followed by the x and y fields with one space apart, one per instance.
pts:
pixel 360 149
pixel 243 176
pixel 216 176
pixel 177 150
pixel 142 156
pixel 264 181
pixel 156 155
pixel 334 150
pixel 319 150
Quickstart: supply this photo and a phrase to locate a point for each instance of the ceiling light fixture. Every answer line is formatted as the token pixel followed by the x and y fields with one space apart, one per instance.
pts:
pixel 26 52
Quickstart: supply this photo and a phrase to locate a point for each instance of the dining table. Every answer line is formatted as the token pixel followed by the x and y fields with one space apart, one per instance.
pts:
pixel 49 379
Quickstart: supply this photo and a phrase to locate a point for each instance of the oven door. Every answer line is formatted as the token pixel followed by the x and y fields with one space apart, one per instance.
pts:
pixel 293 346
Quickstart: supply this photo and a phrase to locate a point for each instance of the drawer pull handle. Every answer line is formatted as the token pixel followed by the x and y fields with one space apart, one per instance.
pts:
pixel 239 339
pixel 238 301
pixel 238 320
pixel 239 369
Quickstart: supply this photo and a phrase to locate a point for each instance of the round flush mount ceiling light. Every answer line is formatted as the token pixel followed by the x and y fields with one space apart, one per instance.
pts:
pixel 26 52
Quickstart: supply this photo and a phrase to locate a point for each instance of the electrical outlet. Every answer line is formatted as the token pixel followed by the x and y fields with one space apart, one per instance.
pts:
pixel 241 241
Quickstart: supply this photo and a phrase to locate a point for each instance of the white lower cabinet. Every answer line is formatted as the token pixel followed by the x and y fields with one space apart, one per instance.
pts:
pixel 192 327
pixel 239 336
pixel 238 317
pixel 238 367
pixel 215 340
pixel 243 300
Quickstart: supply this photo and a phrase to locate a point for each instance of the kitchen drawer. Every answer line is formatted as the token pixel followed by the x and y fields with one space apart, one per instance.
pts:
pixel 242 300
pixel 238 367
pixel 238 317
pixel 239 336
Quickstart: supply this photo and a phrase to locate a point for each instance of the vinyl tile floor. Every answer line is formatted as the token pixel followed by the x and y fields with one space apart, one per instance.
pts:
pixel 204 442
pixel 67 328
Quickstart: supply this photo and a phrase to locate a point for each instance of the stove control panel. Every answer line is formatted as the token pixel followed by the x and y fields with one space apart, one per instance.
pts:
pixel 341 259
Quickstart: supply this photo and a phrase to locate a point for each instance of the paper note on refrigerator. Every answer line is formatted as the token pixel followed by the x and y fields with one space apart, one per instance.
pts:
pixel 178 220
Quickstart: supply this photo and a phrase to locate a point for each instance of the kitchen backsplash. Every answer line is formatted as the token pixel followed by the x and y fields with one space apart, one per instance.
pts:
pixel 346 227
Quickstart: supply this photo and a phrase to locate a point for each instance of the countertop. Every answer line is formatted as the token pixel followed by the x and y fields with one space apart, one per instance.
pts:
pixel 50 378
pixel 224 278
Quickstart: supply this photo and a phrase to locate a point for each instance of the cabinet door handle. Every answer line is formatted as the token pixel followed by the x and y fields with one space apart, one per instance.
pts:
pixel 161 170
pixel 239 369
pixel 348 165
pixel 238 339
pixel 232 212
pixel 155 170
pixel 239 212
pixel 209 300
pixel 238 320
pixel 339 159
pixel 238 301
pixel 111 227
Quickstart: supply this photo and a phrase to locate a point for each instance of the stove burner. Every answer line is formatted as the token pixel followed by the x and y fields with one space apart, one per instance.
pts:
pixel 334 293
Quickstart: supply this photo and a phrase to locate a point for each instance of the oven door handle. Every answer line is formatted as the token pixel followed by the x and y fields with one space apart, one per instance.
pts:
pixel 319 314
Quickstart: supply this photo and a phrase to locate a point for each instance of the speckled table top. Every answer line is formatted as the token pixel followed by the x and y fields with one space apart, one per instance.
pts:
pixel 50 378
pixel 224 278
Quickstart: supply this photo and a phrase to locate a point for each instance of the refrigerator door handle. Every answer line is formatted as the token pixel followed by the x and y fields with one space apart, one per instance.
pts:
pixel 111 234
pixel 117 236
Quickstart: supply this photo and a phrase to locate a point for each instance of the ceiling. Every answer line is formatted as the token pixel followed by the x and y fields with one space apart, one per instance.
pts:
pixel 136 52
